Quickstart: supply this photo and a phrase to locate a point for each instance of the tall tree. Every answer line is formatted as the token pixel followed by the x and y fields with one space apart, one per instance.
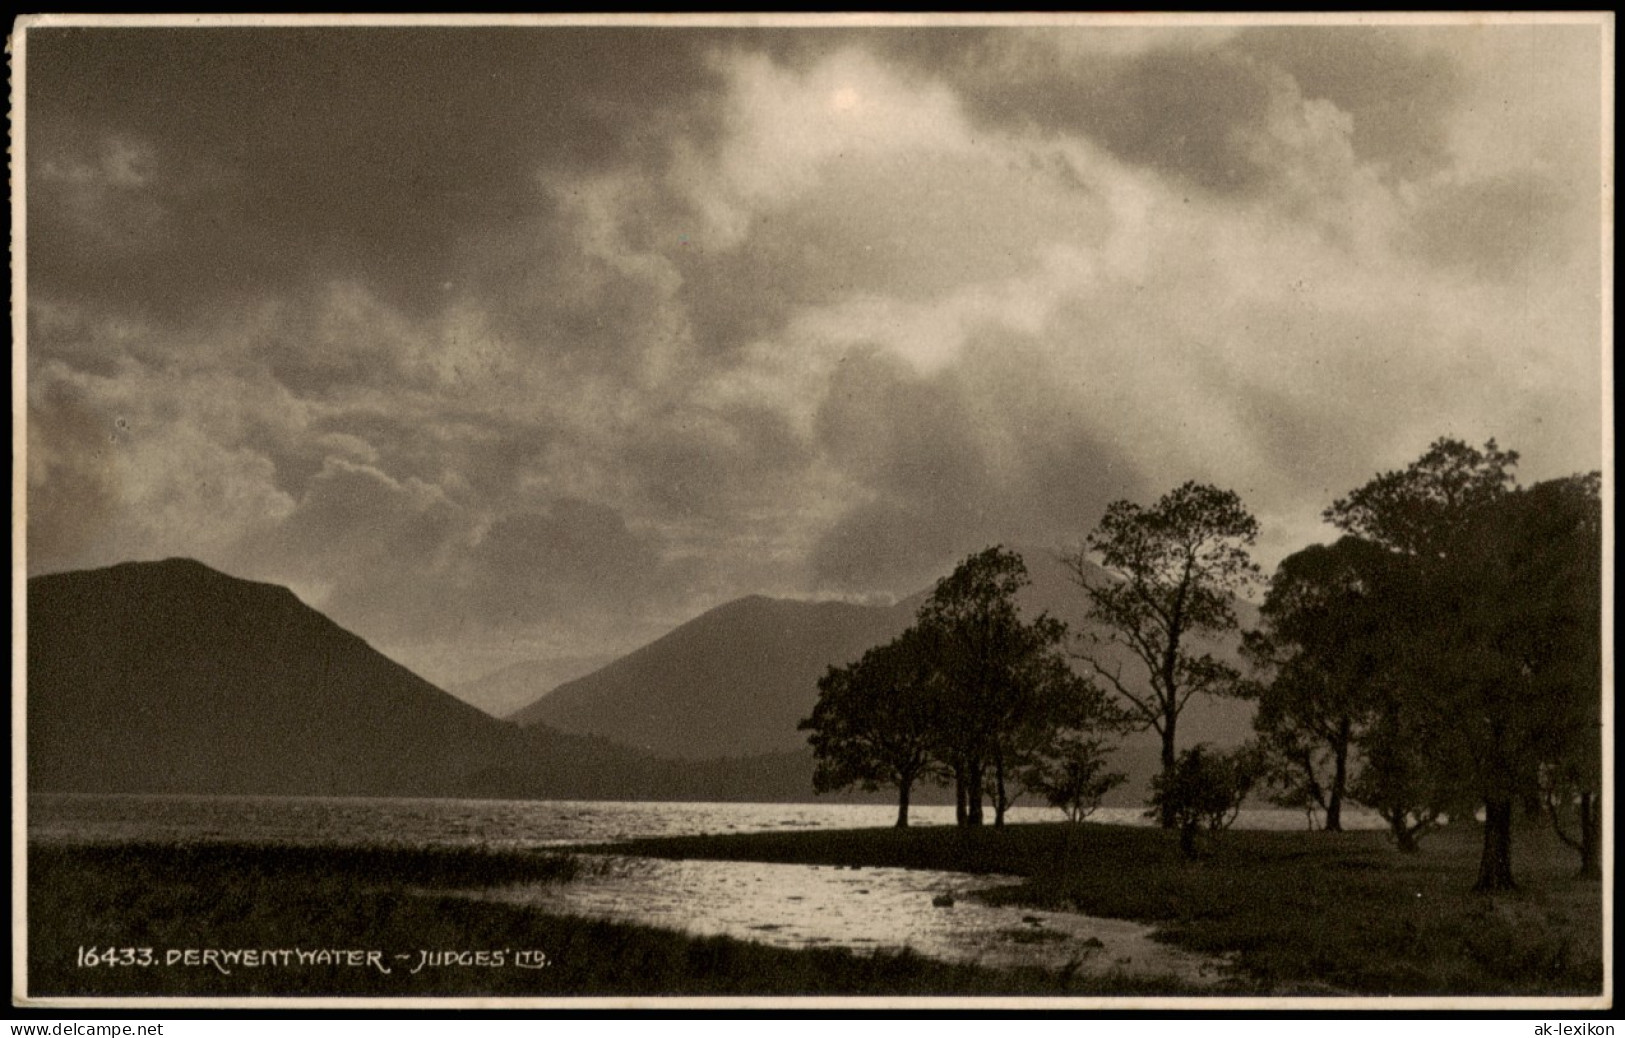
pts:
pixel 1321 644
pixel 876 721
pixel 1495 589
pixel 1172 571
pixel 1516 651
pixel 1417 515
pixel 1417 511
pixel 1572 613
pixel 1044 708
pixel 1006 685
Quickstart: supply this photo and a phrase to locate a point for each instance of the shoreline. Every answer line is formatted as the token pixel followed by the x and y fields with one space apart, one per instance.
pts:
pixel 1298 913
pixel 224 896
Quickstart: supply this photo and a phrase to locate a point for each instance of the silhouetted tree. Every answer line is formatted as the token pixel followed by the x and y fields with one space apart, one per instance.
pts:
pixel 1567 543
pixel 1051 711
pixel 1516 653
pixel 973 620
pixel 1399 779
pixel 1322 645
pixel 1571 789
pixel 1204 790
pixel 1172 571
pixel 877 721
pixel 1007 688
pixel 1571 780
pixel 1493 682
pixel 1417 511
pixel 1070 774
pixel 1294 768
pixel 1417 515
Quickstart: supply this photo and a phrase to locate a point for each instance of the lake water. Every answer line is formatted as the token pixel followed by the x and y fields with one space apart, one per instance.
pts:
pixel 794 906
pixel 76 818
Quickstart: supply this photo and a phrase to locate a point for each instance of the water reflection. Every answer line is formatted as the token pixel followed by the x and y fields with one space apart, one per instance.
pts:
pixel 76 818
pixel 862 909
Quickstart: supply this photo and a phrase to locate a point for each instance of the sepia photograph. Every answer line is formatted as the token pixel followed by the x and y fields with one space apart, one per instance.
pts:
pixel 1060 511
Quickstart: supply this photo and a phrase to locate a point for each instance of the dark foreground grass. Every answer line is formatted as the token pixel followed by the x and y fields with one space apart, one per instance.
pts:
pixel 1307 913
pixel 175 899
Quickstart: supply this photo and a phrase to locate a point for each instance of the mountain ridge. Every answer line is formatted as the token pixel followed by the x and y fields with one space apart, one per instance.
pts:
pixel 741 669
pixel 504 691
pixel 171 677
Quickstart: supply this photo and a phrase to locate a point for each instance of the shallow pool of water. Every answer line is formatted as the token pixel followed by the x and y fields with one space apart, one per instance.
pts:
pixel 861 909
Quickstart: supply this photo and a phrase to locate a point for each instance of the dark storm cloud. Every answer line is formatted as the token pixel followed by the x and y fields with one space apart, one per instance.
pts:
pixel 73 335
pixel 1200 108
pixel 70 452
pixel 888 544
pixel 1194 116
pixel 1495 228
pixel 1191 113
pixel 715 462
pixel 953 462
pixel 892 429
pixel 1399 85
pixel 576 556
pixel 480 450
pixel 902 231
pixel 267 154
pixel 327 344
pixel 911 442
pixel 355 517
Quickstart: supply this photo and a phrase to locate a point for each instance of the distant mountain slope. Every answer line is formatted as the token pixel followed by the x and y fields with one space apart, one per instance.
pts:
pixel 169 675
pixel 737 679
pixel 172 677
pixel 1223 722
pixel 733 681
pixel 514 687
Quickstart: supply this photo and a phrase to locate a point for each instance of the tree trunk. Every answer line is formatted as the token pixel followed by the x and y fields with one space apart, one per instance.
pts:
pixel 1168 821
pixel 1187 840
pixel 960 815
pixel 1340 778
pixel 902 802
pixel 1495 864
pixel 1404 835
pixel 999 802
pixel 1590 835
pixel 973 794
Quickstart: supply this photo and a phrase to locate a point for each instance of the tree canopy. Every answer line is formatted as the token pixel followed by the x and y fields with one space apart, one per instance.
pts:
pixel 1487 641
pixel 1172 571
pixel 973 691
pixel 876 721
pixel 1321 644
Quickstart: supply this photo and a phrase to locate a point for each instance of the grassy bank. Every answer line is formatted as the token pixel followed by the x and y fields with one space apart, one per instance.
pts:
pixel 1307 912
pixel 397 902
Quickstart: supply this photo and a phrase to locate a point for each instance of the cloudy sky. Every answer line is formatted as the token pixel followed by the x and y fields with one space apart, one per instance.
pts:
pixel 502 343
